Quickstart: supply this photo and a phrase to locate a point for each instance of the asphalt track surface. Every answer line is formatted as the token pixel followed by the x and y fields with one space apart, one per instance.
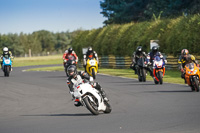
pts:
pixel 39 102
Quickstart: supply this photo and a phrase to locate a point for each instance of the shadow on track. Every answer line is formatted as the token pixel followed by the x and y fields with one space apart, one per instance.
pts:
pixel 56 77
pixel 60 115
pixel 171 91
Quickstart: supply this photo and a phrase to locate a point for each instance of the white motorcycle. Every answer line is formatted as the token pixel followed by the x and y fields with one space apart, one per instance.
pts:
pixel 90 97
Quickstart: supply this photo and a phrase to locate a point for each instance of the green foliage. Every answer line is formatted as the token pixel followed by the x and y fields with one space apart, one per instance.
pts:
pixel 39 42
pixel 121 40
pixel 125 11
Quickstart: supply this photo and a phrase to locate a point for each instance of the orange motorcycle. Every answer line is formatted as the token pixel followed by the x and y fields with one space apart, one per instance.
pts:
pixel 192 76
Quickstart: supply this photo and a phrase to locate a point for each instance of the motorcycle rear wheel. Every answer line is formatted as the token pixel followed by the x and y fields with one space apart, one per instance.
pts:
pixel 108 108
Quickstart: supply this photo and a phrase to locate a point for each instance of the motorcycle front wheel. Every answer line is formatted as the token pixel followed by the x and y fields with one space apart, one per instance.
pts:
pixel 160 77
pixel 196 84
pixel 93 73
pixel 143 75
pixel 91 106
pixel 6 71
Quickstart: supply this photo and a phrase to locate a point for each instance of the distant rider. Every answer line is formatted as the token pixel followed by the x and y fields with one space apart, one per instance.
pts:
pixel 154 52
pixel 7 54
pixel 136 55
pixel 184 59
pixel 69 53
pixel 81 75
pixel 89 54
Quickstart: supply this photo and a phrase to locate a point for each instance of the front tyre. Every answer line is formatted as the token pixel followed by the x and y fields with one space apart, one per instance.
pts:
pixel 93 73
pixel 143 75
pixel 139 75
pixel 6 71
pixel 160 77
pixel 196 84
pixel 91 106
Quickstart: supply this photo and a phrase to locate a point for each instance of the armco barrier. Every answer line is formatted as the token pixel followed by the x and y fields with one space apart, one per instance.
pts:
pixel 124 62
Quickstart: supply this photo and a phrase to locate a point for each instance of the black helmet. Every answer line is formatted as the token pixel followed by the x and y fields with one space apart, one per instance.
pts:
pixel 139 49
pixel 154 49
pixel 70 50
pixel 90 50
pixel 71 69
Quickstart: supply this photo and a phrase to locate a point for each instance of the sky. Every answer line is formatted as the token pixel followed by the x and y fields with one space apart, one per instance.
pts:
pixel 28 16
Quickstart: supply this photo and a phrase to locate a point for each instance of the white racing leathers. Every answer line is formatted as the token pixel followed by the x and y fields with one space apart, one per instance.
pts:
pixel 90 97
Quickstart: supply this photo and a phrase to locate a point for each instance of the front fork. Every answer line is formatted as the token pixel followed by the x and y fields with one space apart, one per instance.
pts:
pixel 155 71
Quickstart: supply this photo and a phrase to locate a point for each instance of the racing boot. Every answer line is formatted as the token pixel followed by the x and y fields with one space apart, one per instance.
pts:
pixel 104 95
pixel 98 87
pixel 77 103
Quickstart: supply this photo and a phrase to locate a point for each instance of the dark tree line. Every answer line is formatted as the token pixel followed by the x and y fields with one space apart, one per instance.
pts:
pixel 39 42
pixel 124 11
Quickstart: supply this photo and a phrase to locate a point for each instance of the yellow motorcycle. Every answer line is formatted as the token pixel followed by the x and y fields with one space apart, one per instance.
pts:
pixel 92 67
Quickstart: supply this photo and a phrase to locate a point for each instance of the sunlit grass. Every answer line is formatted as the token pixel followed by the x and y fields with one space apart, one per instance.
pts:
pixel 171 76
pixel 41 60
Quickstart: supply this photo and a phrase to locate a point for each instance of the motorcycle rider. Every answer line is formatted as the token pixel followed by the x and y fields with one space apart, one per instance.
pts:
pixel 136 55
pixel 76 75
pixel 184 59
pixel 67 54
pixel 90 54
pixel 6 53
pixel 150 57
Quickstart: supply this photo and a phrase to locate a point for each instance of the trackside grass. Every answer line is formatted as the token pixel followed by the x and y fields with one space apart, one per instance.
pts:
pixel 171 76
pixel 41 60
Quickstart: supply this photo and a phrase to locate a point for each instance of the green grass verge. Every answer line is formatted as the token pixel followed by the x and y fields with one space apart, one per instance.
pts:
pixel 41 60
pixel 171 76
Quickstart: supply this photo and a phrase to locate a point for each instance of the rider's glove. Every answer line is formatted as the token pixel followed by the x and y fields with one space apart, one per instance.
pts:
pixel 182 70
pixel 65 60
pixel 91 79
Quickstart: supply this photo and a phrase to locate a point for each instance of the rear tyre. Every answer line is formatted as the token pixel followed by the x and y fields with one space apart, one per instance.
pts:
pixel 108 108
pixel 91 106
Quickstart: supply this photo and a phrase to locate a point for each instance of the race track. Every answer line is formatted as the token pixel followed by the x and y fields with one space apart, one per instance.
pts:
pixel 39 102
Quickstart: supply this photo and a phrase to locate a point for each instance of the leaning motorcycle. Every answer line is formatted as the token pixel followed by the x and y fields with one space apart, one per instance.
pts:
pixel 6 66
pixel 141 69
pixel 158 70
pixel 69 62
pixel 90 97
pixel 92 67
pixel 192 76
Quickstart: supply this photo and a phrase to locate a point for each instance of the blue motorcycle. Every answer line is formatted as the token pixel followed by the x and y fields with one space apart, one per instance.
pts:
pixel 6 66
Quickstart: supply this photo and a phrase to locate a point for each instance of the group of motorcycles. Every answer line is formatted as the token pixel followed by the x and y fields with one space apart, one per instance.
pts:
pixel 6 66
pixel 84 92
pixel 91 65
pixel 158 69
pixel 192 72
